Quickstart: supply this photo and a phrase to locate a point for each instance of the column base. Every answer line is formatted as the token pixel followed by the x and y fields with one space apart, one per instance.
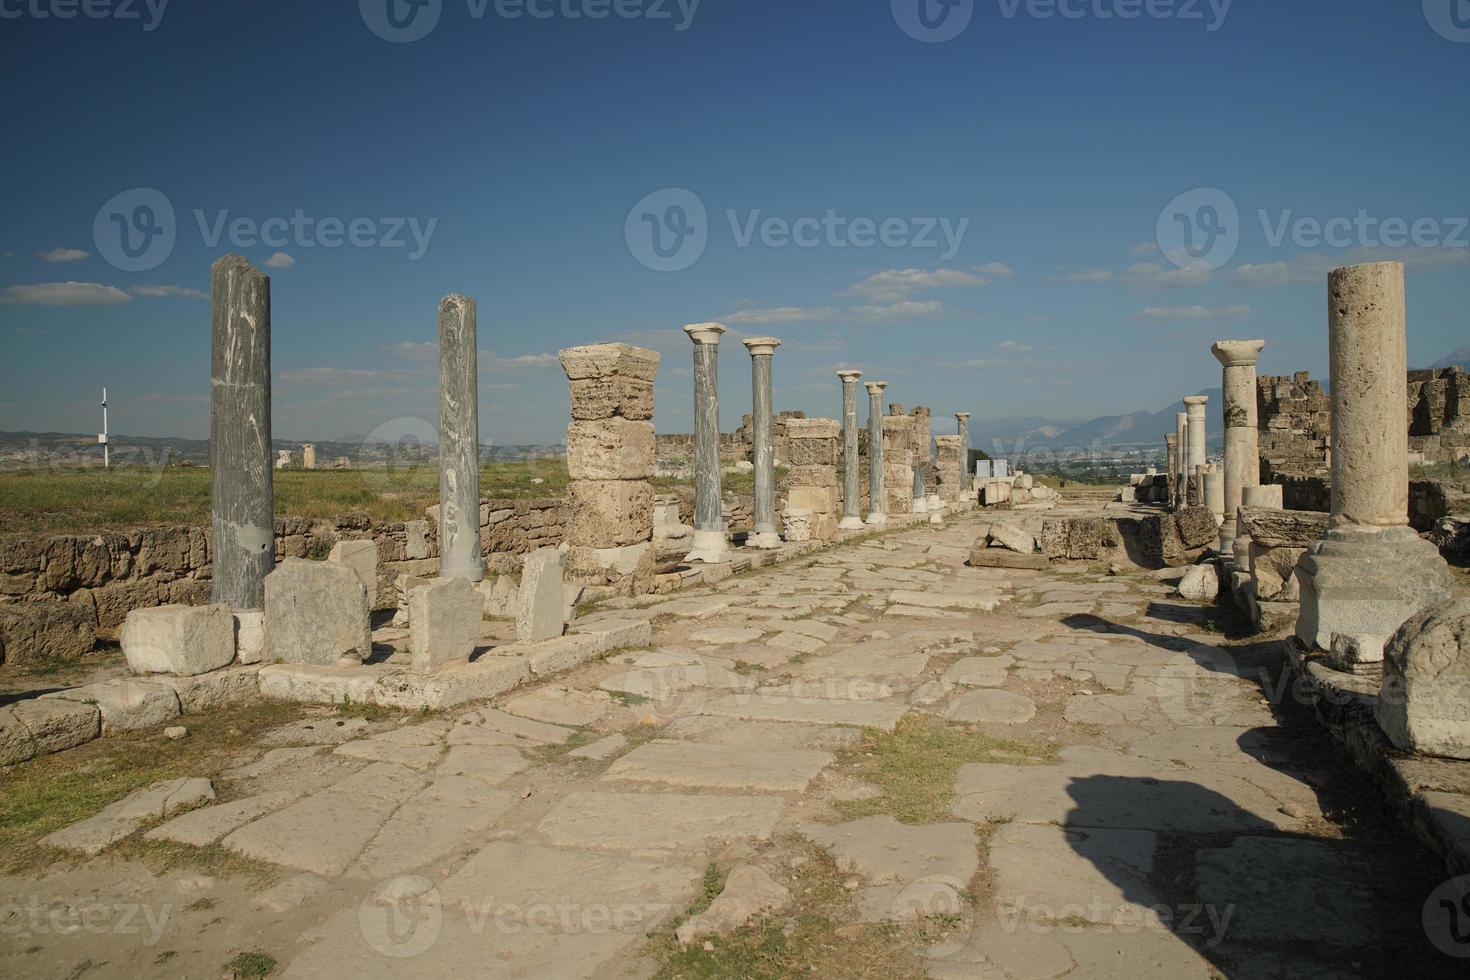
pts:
pixel 763 539
pixel 921 505
pixel 851 524
pixel 472 574
pixel 877 520
pixel 1359 585
pixel 710 547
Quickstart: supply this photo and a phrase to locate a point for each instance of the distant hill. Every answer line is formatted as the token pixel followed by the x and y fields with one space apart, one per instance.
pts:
pixel 1459 359
pixel 1143 428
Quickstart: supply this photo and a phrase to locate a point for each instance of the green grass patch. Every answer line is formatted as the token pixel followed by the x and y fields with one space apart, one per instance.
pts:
pixel 251 966
pixel 51 792
pixel 917 764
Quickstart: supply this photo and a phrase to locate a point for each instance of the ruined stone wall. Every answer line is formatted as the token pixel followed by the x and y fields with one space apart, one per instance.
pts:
pixel 1439 415
pixel 1294 419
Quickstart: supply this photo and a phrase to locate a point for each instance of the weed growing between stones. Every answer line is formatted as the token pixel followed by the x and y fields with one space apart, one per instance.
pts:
pixel 250 966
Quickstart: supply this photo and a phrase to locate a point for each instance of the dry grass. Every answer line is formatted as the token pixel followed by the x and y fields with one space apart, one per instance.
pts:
pixel 70 501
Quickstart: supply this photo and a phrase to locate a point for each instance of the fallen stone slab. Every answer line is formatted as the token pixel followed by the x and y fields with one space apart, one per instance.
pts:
pixel 700 765
pixel 657 822
pixel 859 714
pixel 117 820
pixel 41 726
pixel 985 557
pixel 749 892
pixel 541 605
pixel 316 612
pixel 1201 583
pixel 1012 538
pixel 126 705
pixel 181 640
pixel 444 617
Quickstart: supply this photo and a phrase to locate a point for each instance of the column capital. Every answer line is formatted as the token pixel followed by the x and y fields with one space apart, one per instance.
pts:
pixel 963 416
pixel 759 346
pixel 1195 405
pixel 849 377
pixel 1238 353
pixel 705 333
pixel 875 387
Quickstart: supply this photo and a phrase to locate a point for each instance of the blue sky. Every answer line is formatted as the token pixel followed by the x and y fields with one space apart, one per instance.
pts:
pixel 520 147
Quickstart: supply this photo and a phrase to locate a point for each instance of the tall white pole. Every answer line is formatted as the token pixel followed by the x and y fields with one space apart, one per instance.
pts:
pixel 106 454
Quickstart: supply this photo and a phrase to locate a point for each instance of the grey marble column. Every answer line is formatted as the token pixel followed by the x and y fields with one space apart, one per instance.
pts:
pixel 921 496
pixel 709 520
pixel 241 495
pixel 877 506
pixel 763 532
pixel 1242 442
pixel 967 478
pixel 1181 459
pixel 852 488
pixel 459 440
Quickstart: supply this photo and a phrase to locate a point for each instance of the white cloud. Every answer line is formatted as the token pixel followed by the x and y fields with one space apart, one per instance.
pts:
pixel 1152 277
pixel 63 255
pixel 829 341
pixel 280 261
pixel 416 350
pixel 491 362
pixel 976 363
pixel 785 314
pixel 1015 346
pixel 337 376
pixel 1313 267
pixel 1193 313
pixel 1086 275
pixel 908 309
pixel 65 294
pixel 997 270
pixel 1144 248
pixel 896 285
pixel 155 291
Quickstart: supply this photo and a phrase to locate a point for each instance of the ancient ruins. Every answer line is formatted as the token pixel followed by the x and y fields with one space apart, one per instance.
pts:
pixel 678 716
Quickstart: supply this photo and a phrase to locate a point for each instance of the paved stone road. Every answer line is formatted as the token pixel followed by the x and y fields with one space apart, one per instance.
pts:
pixel 1165 821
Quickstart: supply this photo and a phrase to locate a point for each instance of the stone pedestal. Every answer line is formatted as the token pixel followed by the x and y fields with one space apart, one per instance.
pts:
pixel 1198 442
pixel 852 490
pixel 923 442
pixel 812 477
pixel 459 441
pixel 610 453
pixel 898 463
pixel 949 470
pixel 709 521
pixel 1242 457
pixel 241 494
pixel 877 505
pixel 763 531
pixel 1181 460
pixel 1370 572
pixel 1215 493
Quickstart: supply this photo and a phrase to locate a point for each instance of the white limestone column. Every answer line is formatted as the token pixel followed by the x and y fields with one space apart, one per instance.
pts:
pixel 763 531
pixel 967 478
pixel 1181 459
pixel 1242 456
pixel 709 520
pixel 877 506
pixel 852 489
pixel 1195 407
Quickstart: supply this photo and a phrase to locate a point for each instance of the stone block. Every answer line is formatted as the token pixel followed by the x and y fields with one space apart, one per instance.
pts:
pixel 820 500
pixel 610 449
pixel 609 360
pixel 1200 583
pixel 626 571
pixel 362 558
pixel 615 396
pixel 811 452
pixel 806 429
pixel 554 656
pixel 453 684
pixel 216 689
pixel 1283 528
pixel 984 557
pixel 315 684
pixel 812 476
pixel 444 617
pixel 617 634
pixel 126 705
pixel 1424 704
pixel 419 540
pixel 1196 527
pixel 249 636
pixel 796 524
pixel 33 632
pixel 40 726
pixel 316 613
pixel 1273 571
pixel 1012 538
pixel 182 640
pixel 115 600
pixel 609 513
pixel 542 601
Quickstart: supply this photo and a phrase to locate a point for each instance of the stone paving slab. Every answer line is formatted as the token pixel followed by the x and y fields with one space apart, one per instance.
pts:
pixel 117 820
pixel 945 600
pixel 991 706
pixel 446 815
pixel 979 671
pixel 564 706
pixel 380 749
pixel 713 766
pixel 209 825
pixel 755 736
pixel 861 714
pixel 1011 951
pixel 1053 874
pixel 491 726
pixel 657 822
pixel 489 763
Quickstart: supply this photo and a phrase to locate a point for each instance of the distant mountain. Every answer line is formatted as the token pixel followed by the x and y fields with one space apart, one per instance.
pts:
pixel 1459 359
pixel 1143 428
